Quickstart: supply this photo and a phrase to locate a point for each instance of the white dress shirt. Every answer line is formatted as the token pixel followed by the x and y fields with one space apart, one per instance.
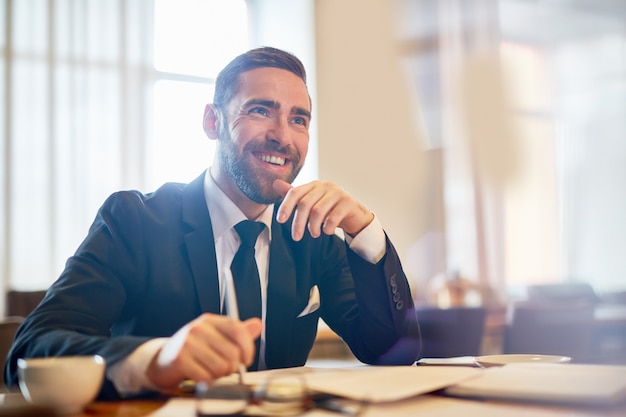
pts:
pixel 224 216
pixel 129 375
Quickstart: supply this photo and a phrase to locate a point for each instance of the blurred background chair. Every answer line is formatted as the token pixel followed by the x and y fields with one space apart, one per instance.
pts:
pixel 613 297
pixel 550 328
pixel 563 292
pixel 449 332
pixel 8 328
pixel 21 303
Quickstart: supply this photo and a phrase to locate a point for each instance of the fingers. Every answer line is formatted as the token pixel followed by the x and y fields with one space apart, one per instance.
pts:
pixel 207 348
pixel 254 327
pixel 282 187
pixel 316 210
pixel 321 206
pixel 240 337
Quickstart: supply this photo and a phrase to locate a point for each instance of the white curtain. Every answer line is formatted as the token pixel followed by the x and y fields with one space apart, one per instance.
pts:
pixel 76 76
pixel 478 142
pixel 77 106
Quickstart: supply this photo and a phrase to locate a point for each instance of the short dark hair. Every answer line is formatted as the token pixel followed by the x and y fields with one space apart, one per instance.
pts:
pixel 265 57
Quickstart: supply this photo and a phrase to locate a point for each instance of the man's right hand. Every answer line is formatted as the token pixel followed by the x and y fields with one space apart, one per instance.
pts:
pixel 207 348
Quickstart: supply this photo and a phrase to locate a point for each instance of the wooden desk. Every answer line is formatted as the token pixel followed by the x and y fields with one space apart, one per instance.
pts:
pixel 128 408
pixel 144 408
pixel 429 403
pixel 14 405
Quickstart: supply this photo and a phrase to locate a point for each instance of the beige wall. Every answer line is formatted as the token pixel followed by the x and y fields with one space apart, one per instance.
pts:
pixel 368 137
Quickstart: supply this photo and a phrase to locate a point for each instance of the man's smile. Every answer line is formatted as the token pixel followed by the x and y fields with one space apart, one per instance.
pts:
pixel 271 159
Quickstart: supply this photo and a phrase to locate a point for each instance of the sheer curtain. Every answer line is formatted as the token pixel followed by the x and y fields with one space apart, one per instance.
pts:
pixel 76 74
pixel 531 132
pixel 85 112
pixel 479 143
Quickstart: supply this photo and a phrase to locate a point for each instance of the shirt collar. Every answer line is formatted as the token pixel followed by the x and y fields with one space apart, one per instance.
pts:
pixel 224 213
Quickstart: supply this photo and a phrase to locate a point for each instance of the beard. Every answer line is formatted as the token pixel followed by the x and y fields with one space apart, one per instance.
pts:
pixel 256 184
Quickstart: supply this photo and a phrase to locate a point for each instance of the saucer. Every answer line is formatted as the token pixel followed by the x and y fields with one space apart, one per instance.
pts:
pixel 499 360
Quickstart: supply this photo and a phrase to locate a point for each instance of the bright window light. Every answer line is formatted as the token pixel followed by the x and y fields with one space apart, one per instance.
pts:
pixel 181 149
pixel 193 40
pixel 198 37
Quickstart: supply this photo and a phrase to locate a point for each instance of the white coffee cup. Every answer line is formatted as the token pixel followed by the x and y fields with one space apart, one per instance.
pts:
pixel 66 384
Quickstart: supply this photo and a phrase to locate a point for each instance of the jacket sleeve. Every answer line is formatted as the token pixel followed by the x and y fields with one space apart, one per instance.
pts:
pixel 79 309
pixel 371 308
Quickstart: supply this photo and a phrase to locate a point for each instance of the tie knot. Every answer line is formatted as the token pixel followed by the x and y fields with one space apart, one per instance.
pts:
pixel 248 232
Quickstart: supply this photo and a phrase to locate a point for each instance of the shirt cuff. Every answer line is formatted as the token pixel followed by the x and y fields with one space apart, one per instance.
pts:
pixel 370 244
pixel 129 375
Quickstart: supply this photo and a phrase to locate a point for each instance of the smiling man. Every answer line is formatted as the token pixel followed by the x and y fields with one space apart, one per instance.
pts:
pixel 146 288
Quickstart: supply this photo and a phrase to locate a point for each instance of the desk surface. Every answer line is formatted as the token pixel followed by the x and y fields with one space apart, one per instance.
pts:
pixel 447 406
pixel 129 408
pixel 15 405
pixel 137 408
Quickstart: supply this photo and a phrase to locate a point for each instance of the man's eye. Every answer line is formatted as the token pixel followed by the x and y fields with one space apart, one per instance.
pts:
pixel 259 110
pixel 300 121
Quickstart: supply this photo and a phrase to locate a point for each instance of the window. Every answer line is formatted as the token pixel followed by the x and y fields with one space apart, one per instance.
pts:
pixel 193 40
pixel 99 96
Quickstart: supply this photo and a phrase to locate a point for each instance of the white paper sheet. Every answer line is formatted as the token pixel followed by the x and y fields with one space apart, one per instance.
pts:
pixel 561 383
pixel 374 383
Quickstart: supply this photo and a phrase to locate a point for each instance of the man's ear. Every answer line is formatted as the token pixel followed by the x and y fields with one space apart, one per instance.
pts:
pixel 210 123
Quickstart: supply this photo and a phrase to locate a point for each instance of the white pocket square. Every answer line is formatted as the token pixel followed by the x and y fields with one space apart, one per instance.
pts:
pixel 314 302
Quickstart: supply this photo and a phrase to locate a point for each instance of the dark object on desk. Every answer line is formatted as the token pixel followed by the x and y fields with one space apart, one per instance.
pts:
pixel 563 292
pixel 454 331
pixel 550 328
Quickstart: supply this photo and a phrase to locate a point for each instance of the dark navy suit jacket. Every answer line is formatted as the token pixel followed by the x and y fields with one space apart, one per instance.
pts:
pixel 148 266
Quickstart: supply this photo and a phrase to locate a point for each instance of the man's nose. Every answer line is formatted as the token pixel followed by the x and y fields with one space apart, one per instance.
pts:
pixel 279 132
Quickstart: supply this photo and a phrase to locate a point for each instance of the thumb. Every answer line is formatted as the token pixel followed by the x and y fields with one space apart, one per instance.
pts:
pixel 254 327
pixel 281 187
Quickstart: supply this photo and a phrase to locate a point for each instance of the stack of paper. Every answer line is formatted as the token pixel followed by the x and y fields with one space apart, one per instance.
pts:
pixel 372 383
pixel 402 390
pixel 556 383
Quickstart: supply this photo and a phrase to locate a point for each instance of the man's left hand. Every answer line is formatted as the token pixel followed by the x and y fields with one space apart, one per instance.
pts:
pixel 322 206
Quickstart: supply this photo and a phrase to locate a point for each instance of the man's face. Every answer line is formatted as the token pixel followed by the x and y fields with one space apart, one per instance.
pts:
pixel 265 133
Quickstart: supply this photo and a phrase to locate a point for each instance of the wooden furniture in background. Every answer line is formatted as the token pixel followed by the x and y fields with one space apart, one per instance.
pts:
pixel 8 328
pixel 21 303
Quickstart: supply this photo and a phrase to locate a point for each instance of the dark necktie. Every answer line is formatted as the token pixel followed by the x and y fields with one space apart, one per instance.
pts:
pixel 246 275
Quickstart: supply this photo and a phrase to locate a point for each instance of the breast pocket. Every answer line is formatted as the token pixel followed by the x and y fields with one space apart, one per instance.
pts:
pixel 313 303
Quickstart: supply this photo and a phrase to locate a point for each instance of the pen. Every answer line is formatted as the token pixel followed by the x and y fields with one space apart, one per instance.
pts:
pixel 232 309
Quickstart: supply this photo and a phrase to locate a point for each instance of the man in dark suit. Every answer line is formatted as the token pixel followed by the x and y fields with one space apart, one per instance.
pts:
pixel 145 289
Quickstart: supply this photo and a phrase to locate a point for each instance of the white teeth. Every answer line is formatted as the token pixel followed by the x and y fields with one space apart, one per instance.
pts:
pixel 276 160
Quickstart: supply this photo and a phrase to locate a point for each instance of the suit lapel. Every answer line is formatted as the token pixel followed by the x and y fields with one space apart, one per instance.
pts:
pixel 200 246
